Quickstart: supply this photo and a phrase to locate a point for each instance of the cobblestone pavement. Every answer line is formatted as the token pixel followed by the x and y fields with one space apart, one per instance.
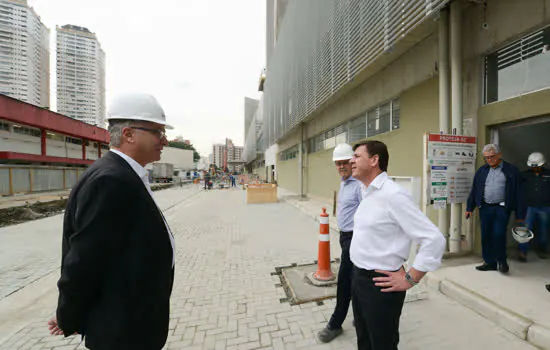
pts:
pixel 225 296
pixel 31 250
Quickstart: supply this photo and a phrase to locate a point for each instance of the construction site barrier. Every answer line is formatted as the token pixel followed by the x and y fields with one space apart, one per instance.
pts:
pixel 22 179
pixel 324 273
pixel 261 193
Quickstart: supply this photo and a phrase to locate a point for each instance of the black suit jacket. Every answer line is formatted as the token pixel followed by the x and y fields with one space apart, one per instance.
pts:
pixel 116 267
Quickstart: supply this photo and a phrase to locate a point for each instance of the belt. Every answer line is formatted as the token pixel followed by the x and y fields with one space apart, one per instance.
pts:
pixel 370 273
pixel 346 233
pixel 491 204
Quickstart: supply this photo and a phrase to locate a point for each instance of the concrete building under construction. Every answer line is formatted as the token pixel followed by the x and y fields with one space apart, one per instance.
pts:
pixel 394 71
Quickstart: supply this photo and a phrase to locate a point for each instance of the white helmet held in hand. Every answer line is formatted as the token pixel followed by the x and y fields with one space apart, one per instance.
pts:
pixel 522 234
pixel 342 152
pixel 137 106
pixel 536 159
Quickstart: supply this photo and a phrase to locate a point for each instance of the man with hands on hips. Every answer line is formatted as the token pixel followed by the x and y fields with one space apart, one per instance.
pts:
pixel 386 223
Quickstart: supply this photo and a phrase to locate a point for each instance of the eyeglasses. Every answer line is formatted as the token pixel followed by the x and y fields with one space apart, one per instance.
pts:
pixel 341 163
pixel 160 133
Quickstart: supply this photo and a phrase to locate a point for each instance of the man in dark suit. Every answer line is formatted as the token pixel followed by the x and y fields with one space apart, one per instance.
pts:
pixel 117 266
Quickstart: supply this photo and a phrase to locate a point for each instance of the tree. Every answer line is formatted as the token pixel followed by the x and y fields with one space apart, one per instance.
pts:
pixel 182 145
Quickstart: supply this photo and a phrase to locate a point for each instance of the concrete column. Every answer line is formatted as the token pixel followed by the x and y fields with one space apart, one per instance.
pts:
pixel 444 98
pixel 456 91
pixel 301 161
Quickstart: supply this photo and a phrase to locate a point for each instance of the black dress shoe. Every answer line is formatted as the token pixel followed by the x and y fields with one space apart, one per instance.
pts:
pixel 487 267
pixel 503 267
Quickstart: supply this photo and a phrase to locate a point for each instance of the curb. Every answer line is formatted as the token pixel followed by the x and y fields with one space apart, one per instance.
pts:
pixel 518 325
pixel 296 204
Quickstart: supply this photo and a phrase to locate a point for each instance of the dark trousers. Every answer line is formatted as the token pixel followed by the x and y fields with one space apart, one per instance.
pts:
pixel 494 221
pixel 542 215
pixel 376 313
pixel 343 289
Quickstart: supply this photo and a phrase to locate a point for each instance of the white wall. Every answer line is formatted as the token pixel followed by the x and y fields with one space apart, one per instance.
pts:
pixel 11 142
pixel 180 158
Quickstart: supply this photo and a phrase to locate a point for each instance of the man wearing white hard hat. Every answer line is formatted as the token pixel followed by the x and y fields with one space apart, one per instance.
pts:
pixel 536 184
pixel 117 266
pixel 349 198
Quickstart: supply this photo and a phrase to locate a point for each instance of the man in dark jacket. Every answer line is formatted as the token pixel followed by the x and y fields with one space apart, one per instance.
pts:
pixel 117 264
pixel 497 192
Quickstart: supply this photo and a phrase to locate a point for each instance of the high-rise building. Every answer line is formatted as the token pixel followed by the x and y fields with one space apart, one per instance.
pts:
pixel 227 156
pixel 80 75
pixel 218 151
pixel 24 54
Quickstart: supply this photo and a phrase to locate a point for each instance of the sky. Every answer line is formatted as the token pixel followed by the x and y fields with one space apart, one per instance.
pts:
pixel 199 58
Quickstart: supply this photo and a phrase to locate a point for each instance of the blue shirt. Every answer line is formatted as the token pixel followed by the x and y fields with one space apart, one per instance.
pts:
pixel 495 186
pixel 349 198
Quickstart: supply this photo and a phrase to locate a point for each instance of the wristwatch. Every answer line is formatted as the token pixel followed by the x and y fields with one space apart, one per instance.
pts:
pixel 409 279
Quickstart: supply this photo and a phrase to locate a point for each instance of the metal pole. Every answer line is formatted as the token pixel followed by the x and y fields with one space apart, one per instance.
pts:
pixel 301 161
pixel 456 90
pixel 444 98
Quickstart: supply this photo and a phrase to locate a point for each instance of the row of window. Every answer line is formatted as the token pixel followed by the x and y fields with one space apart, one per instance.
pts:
pixel 378 120
pixel 23 130
pixel 290 153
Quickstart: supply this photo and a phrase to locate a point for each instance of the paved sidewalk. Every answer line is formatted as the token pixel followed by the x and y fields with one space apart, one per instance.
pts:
pixel 226 298
pixel 499 298
pixel 30 250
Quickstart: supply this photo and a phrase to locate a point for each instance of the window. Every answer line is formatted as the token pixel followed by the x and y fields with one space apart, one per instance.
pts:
pixel 358 128
pixel 290 153
pixel 4 126
pixel 54 136
pixel 518 68
pixel 23 130
pixel 381 119
pixel 395 113
pixel 328 139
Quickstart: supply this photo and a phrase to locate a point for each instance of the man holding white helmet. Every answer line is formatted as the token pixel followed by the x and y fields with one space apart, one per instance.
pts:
pixel 536 182
pixel 496 191
pixel 117 266
pixel 349 198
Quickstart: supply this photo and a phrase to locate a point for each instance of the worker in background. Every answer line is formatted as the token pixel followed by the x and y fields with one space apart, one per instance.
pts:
pixel 117 265
pixel 497 192
pixel 536 186
pixel 349 198
pixel 386 223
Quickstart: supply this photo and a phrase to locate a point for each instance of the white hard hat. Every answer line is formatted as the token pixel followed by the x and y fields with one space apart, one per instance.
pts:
pixel 522 234
pixel 536 159
pixel 137 106
pixel 342 152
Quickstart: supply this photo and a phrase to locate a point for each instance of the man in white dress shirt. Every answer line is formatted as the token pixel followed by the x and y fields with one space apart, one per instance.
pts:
pixel 386 223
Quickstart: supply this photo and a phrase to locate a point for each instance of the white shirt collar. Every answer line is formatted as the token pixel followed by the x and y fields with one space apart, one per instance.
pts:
pixel 379 180
pixel 140 171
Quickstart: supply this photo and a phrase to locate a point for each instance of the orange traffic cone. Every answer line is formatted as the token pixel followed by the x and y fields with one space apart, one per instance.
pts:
pixel 324 273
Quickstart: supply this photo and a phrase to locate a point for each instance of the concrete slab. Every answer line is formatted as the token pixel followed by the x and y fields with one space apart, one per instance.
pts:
pixel 522 290
pixel 302 290
pixel 517 302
